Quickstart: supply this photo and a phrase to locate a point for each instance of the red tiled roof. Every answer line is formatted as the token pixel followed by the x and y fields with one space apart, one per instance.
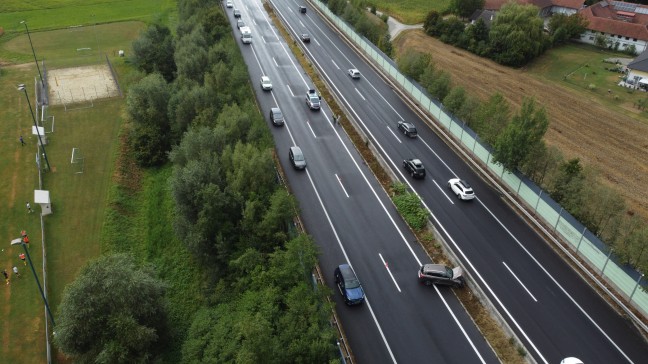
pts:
pixel 572 4
pixel 605 19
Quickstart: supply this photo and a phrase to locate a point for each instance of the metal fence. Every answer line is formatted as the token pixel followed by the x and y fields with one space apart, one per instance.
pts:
pixel 627 282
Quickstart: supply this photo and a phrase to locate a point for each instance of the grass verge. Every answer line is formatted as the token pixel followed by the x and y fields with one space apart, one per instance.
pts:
pixel 410 11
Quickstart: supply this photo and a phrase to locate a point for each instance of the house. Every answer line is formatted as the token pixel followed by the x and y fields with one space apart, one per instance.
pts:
pixel 638 71
pixel 547 8
pixel 622 24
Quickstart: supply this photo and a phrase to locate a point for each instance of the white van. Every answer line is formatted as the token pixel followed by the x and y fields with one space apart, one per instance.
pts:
pixel 246 35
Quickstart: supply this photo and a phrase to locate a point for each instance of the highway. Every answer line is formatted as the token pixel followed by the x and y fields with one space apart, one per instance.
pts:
pixel 350 216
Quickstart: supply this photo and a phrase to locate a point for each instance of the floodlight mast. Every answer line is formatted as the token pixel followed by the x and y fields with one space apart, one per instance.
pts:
pixel 49 312
pixel 33 52
pixel 22 87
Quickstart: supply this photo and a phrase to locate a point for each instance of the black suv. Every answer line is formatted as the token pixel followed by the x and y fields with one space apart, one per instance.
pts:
pixel 430 274
pixel 276 116
pixel 414 167
pixel 302 9
pixel 407 129
pixel 349 285
pixel 305 38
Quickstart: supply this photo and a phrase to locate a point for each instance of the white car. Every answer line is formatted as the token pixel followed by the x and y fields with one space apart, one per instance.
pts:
pixel 461 188
pixel 229 4
pixel 354 73
pixel 266 85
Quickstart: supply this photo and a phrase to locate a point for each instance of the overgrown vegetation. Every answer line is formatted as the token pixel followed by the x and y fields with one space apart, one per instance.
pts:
pixel 221 205
pixel 410 207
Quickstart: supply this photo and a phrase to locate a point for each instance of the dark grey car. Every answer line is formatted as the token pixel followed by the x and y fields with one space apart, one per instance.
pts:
pixel 430 274
pixel 414 167
pixel 297 158
pixel 276 116
pixel 408 129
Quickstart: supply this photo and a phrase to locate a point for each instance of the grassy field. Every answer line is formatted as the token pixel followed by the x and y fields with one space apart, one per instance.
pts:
pixel 57 14
pixel 606 133
pixel 79 201
pixel 410 11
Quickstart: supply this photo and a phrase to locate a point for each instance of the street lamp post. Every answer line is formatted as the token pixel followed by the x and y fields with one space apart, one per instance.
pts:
pixel 22 87
pixel 49 312
pixel 33 52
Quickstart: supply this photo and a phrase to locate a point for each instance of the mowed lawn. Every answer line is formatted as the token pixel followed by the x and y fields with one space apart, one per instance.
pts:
pixel 78 200
pixel 410 11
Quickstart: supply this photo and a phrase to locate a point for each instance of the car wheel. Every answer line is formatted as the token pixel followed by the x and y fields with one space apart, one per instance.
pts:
pixel 427 282
pixel 459 196
pixel 412 174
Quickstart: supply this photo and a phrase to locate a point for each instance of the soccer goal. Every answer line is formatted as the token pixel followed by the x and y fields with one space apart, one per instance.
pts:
pixel 77 161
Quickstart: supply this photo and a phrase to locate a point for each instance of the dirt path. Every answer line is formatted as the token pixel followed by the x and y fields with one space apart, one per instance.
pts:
pixel 615 144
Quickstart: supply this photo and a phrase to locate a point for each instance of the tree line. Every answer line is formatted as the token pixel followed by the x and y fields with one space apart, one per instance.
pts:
pixel 195 110
pixel 516 34
pixel 516 141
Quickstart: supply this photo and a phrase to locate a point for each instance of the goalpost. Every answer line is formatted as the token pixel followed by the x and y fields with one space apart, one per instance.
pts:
pixel 77 161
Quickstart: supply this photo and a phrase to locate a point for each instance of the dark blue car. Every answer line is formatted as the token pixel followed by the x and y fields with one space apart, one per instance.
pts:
pixel 349 285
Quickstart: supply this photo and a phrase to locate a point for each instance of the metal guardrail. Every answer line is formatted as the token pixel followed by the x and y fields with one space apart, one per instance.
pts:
pixel 525 194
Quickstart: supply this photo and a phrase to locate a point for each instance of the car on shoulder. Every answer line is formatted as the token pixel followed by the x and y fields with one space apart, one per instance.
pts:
pixel 302 9
pixel 354 73
pixel 430 274
pixel 305 37
pixel 276 116
pixel 414 167
pixel 240 24
pixel 349 285
pixel 266 85
pixel 313 99
pixel 229 4
pixel 297 157
pixel 408 129
pixel 461 188
pixel 237 13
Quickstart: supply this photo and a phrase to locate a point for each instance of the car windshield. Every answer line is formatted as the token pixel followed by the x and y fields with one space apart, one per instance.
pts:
pixel 449 273
pixel 314 98
pixel 299 157
pixel 351 283
pixel 277 114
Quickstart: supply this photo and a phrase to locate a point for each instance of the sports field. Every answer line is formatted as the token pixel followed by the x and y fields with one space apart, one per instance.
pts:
pixel 73 231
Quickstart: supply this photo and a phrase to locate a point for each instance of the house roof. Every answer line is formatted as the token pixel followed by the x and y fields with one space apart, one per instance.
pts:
pixel 607 18
pixel 571 4
pixel 640 63
pixel 486 15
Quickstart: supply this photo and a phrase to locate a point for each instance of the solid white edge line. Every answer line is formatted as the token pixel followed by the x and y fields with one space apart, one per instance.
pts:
pixel 458 323
pixel 556 283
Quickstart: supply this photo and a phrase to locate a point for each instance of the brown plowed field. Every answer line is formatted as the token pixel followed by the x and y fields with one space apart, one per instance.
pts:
pixel 613 143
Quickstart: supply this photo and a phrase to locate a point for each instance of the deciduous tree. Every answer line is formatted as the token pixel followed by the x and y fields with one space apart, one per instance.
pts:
pixel 153 51
pixel 113 312
pixel 525 131
pixel 516 35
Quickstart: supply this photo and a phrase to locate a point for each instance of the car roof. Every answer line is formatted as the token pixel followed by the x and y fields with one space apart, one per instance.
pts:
pixel 435 268
pixel 417 162
pixel 346 271
pixel 265 78
pixel 275 110
pixel 296 150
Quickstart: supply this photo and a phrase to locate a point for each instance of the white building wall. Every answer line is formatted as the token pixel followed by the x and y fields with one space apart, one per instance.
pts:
pixel 589 37
pixel 562 10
